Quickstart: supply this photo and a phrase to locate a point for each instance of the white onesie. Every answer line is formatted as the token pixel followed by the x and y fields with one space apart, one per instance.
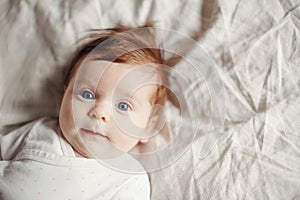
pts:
pixel 37 163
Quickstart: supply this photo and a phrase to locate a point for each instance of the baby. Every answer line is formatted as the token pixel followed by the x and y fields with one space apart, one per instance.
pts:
pixel 109 107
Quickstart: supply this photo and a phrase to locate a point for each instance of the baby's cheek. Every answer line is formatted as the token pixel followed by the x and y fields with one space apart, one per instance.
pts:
pixel 81 110
pixel 65 118
pixel 68 113
pixel 141 118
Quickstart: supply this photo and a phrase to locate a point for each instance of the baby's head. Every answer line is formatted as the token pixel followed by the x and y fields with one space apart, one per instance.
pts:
pixel 111 91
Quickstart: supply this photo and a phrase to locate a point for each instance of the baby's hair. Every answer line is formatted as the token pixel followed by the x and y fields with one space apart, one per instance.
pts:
pixel 122 44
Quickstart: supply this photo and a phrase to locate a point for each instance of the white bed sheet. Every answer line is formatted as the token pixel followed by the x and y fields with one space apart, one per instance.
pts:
pixel 255 46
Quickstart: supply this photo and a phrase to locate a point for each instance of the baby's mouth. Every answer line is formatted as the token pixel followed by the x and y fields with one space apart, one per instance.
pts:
pixel 92 132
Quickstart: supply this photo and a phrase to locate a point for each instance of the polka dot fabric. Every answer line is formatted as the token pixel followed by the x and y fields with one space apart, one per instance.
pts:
pixel 35 174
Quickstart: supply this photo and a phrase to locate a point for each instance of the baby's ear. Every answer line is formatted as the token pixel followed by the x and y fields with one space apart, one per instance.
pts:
pixel 144 141
pixel 145 145
pixel 161 96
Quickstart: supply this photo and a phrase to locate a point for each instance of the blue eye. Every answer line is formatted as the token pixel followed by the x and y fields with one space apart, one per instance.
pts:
pixel 123 106
pixel 87 95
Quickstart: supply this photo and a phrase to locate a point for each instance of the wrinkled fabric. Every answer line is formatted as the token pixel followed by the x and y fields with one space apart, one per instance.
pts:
pixel 36 162
pixel 255 48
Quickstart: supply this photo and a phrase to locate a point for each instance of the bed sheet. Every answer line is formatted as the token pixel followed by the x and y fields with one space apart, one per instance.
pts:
pixel 254 46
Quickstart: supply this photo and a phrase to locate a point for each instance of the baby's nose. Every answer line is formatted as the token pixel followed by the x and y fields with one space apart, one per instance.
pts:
pixel 99 113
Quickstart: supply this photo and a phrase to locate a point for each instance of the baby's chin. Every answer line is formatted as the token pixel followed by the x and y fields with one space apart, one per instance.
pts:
pixel 99 150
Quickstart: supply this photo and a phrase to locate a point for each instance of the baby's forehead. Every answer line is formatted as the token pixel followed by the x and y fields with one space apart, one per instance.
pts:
pixel 98 68
pixel 109 75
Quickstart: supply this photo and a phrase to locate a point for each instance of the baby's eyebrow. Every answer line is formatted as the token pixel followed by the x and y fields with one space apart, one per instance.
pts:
pixel 128 95
pixel 86 81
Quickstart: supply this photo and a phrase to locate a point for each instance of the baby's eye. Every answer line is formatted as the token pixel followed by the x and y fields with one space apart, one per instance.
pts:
pixel 87 95
pixel 123 106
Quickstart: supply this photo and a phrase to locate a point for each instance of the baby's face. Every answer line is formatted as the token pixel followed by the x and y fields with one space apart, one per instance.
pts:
pixel 97 114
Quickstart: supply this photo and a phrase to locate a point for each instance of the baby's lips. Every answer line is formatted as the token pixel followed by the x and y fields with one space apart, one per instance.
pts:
pixel 92 131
